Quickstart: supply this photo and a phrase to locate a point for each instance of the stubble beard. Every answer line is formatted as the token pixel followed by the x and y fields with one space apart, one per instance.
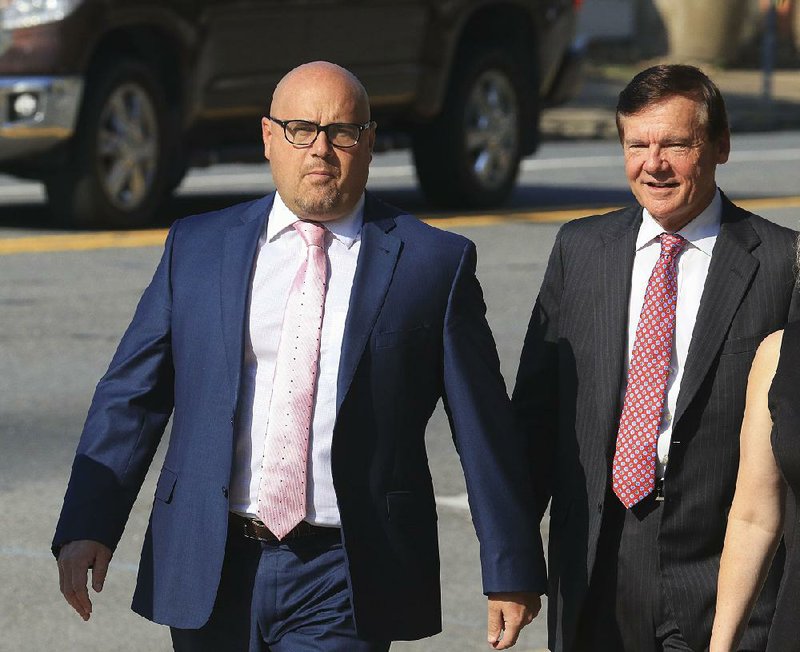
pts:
pixel 320 201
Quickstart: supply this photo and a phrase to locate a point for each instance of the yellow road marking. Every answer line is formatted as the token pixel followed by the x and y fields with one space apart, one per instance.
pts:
pixel 83 241
pixel 761 203
pixel 156 237
pixel 561 215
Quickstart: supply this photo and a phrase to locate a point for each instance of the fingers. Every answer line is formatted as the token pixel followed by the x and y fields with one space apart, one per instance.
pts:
pixel 75 573
pixel 508 614
pixel 495 623
pixel 65 586
pixel 100 568
pixel 80 594
pixel 60 578
pixel 74 561
pixel 513 626
pixel 535 607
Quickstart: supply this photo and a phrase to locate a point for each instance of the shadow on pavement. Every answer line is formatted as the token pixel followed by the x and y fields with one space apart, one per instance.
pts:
pixel 26 216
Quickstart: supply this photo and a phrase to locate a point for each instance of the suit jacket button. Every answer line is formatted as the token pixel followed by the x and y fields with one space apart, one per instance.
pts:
pixel 600 507
pixel 225 491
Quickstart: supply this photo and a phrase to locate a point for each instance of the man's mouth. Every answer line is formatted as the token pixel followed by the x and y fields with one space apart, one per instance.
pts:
pixel 321 172
pixel 661 184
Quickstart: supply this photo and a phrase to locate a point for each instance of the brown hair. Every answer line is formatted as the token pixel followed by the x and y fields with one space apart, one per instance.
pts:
pixel 667 80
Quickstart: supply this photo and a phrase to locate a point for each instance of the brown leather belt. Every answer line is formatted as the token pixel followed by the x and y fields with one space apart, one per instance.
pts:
pixel 253 528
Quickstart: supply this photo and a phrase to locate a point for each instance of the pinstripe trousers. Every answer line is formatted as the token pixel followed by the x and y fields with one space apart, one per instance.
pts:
pixel 625 609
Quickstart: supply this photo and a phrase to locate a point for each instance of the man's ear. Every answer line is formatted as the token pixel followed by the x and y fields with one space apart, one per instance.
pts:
pixel 373 128
pixel 724 147
pixel 371 137
pixel 266 135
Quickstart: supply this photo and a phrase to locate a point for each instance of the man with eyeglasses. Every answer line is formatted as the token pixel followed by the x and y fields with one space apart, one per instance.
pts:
pixel 301 342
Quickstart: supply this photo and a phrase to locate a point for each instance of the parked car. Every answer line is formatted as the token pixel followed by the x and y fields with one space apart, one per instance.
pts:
pixel 109 101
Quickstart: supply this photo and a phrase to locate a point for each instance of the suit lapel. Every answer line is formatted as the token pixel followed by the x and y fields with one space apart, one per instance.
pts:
pixel 730 274
pixel 612 274
pixel 376 263
pixel 238 257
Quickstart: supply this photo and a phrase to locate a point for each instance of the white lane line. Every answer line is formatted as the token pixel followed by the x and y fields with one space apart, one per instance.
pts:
pixel 209 182
pixel 455 502
pixel 27 553
pixel 392 171
pixel 201 183
pixel 765 155
pixel 572 162
pixel 23 191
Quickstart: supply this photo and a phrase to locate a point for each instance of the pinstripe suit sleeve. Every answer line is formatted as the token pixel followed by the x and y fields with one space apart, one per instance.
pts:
pixel 535 397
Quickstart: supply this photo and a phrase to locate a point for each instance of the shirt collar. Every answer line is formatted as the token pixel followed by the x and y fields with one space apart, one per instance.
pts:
pixel 701 232
pixel 346 230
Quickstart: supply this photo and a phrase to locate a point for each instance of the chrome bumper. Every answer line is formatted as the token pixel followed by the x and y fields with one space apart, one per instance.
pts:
pixel 36 113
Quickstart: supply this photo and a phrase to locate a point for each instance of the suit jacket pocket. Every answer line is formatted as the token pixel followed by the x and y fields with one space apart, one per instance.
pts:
pixel 406 509
pixel 742 344
pixel 166 485
pixel 418 334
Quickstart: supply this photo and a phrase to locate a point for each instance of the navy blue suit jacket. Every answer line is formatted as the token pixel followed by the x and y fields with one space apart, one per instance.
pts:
pixel 415 331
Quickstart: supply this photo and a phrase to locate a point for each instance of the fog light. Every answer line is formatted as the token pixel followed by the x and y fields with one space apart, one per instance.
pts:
pixel 25 105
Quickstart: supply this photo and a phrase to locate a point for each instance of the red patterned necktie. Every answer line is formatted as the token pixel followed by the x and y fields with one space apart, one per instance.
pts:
pixel 634 468
pixel 282 492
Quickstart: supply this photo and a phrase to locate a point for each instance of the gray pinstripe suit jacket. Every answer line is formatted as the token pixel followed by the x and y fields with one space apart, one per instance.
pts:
pixel 567 399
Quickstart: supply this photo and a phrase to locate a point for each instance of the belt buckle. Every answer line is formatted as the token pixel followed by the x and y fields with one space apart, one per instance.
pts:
pixel 659 491
pixel 246 526
pixel 249 529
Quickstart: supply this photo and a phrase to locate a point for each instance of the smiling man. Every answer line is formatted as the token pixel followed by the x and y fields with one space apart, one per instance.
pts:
pixel 300 343
pixel 632 380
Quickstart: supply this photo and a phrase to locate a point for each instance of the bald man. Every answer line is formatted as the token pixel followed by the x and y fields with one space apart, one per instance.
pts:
pixel 301 342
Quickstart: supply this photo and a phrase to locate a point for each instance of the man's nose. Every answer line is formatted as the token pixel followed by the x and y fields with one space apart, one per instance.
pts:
pixel 655 161
pixel 321 145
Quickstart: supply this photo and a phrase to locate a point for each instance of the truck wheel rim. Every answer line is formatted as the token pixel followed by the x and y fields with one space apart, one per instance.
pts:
pixel 127 146
pixel 492 129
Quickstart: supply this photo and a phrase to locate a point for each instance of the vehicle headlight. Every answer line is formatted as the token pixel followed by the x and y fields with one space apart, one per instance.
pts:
pixel 15 14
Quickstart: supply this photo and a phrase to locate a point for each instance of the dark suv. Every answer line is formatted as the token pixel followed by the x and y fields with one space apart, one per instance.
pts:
pixel 108 101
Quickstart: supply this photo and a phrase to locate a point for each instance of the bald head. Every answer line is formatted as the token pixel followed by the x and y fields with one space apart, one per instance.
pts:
pixel 308 77
pixel 319 181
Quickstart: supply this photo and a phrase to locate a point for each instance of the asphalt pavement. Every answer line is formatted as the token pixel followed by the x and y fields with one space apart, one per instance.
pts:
pixel 62 312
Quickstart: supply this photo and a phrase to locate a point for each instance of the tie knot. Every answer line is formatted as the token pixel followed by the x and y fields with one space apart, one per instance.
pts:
pixel 671 244
pixel 313 233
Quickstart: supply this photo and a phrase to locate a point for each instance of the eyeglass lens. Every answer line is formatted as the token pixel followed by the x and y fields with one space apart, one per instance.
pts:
pixel 300 132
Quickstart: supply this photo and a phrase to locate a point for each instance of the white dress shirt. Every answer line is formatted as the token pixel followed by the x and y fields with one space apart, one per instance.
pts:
pixel 281 250
pixel 693 263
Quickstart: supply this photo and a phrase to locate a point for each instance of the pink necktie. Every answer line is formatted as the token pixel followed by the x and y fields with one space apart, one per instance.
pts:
pixel 634 468
pixel 282 493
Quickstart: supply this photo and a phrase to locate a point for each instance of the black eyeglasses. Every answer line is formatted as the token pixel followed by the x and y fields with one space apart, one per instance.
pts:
pixel 304 133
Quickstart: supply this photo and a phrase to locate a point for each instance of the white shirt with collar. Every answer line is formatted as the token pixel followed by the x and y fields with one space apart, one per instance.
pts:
pixel 280 252
pixel 693 263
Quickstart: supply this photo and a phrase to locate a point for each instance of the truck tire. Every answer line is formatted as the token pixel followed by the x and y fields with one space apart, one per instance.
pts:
pixel 120 163
pixel 469 156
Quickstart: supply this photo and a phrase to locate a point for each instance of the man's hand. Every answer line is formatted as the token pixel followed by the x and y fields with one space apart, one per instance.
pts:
pixel 508 614
pixel 74 561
